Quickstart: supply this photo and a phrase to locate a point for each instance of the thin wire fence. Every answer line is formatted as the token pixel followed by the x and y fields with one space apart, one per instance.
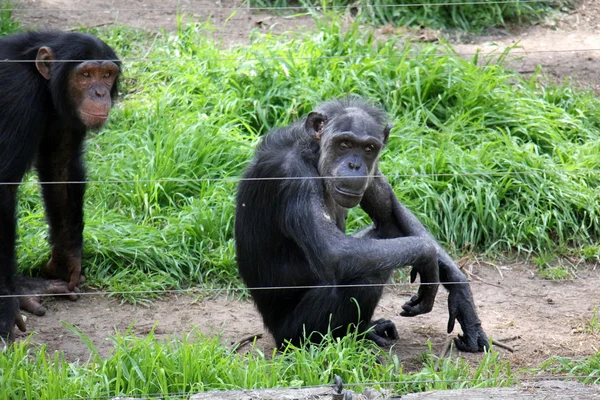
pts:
pixel 499 52
pixel 249 7
pixel 303 178
pixel 203 290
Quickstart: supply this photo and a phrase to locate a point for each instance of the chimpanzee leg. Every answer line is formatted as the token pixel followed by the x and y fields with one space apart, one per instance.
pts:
pixel 335 309
pixel 64 208
pixel 9 307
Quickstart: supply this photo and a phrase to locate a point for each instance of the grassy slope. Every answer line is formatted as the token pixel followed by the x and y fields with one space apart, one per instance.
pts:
pixel 485 159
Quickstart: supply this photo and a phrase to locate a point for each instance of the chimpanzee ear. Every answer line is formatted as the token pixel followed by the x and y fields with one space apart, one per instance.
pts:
pixel 315 122
pixel 44 55
pixel 386 133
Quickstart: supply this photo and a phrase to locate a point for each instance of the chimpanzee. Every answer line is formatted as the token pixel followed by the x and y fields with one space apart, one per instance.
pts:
pixel 55 86
pixel 308 276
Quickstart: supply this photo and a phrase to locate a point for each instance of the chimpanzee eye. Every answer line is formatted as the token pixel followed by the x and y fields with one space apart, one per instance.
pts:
pixel 370 148
pixel 107 74
pixel 344 145
pixel 86 74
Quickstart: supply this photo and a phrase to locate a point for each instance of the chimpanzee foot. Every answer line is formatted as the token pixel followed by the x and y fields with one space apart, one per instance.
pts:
pixel 380 330
pixel 66 268
pixel 36 287
pixel 418 304
pixel 9 317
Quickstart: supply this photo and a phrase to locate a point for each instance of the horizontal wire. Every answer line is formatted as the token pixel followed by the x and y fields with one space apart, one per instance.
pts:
pixel 265 288
pixel 283 8
pixel 293 58
pixel 301 178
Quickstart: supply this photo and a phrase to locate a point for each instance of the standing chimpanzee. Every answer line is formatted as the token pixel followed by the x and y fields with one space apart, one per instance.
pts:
pixel 55 86
pixel 290 223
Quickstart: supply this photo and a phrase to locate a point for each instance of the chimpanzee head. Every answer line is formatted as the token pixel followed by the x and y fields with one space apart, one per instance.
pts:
pixel 83 74
pixel 351 133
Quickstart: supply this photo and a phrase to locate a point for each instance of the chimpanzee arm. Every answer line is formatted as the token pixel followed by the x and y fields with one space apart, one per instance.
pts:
pixel 336 258
pixel 59 160
pixel 391 220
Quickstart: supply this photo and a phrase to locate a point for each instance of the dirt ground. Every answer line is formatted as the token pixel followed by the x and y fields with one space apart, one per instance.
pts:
pixel 539 318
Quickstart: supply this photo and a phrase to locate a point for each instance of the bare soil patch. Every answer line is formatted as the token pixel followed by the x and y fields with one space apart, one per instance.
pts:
pixel 541 318
pixel 229 21
pixel 566 46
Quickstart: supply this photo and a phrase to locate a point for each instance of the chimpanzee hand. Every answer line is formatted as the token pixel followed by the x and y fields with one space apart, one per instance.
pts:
pixel 380 330
pixel 65 267
pixel 461 308
pixel 423 301
pixel 417 305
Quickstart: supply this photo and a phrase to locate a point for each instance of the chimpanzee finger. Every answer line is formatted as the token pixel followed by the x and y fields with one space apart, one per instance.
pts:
pixel 413 300
pixel 32 304
pixel 452 313
pixel 466 343
pixel 413 275
pixel 57 286
pixel 451 322
pixel 389 329
pixel 75 296
pixel 20 322
pixel 379 341
pixel 74 279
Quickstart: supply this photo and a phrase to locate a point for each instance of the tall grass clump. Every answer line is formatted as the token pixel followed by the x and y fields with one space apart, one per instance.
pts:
pixel 586 370
pixel 486 159
pixel 148 368
pixel 8 24
pixel 437 14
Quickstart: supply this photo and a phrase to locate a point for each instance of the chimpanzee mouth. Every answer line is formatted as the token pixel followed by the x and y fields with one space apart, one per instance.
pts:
pixel 98 116
pixel 346 193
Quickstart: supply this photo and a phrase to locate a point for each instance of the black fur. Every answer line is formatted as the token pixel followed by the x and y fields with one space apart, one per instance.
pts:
pixel 290 232
pixel 39 125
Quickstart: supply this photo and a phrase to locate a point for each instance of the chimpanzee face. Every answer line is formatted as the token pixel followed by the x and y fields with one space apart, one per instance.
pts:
pixel 89 87
pixel 350 147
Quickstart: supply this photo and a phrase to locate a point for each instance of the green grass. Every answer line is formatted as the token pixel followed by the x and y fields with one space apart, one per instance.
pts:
pixel 486 160
pixel 586 370
pixel 467 17
pixel 593 326
pixel 7 23
pixel 148 368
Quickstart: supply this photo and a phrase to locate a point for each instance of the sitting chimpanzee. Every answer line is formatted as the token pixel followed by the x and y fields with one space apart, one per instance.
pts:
pixel 290 222
pixel 55 87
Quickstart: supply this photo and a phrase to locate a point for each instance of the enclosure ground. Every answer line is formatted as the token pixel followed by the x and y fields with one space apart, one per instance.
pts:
pixel 560 46
pixel 539 318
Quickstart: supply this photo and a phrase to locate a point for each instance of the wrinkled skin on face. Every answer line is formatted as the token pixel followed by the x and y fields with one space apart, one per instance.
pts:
pixel 350 147
pixel 89 86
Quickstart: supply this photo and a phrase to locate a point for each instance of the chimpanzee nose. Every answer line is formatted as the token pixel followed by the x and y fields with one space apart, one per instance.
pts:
pixel 353 165
pixel 100 92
